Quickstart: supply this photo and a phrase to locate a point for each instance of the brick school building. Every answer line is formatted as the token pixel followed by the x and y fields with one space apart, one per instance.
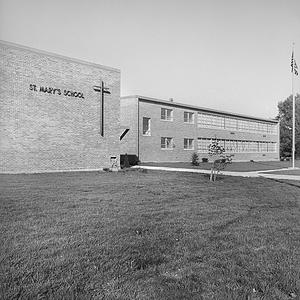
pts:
pixel 166 131
pixel 56 113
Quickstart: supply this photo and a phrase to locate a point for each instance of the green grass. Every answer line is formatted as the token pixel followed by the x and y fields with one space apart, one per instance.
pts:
pixel 148 235
pixel 234 166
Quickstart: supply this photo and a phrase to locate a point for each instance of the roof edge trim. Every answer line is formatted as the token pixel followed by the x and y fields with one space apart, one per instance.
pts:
pixel 76 60
pixel 194 107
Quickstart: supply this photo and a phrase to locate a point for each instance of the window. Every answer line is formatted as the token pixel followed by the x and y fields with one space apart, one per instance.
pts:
pixel 245 146
pixel 166 143
pixel 206 120
pixel 146 126
pixel 253 146
pixel 188 144
pixel 188 117
pixel 166 114
pixel 272 128
pixel 272 147
pixel 231 123
pixel 235 146
pixel 263 147
pixel 210 121
pixel 203 145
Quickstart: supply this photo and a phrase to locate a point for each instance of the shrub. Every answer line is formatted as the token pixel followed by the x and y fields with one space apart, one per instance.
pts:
pixel 195 159
pixel 126 161
pixel 132 159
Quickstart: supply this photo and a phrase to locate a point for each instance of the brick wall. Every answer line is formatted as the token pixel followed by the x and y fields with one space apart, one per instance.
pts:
pixel 48 131
pixel 150 146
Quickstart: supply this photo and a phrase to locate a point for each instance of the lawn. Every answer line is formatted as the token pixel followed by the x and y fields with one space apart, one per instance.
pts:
pixel 148 235
pixel 234 166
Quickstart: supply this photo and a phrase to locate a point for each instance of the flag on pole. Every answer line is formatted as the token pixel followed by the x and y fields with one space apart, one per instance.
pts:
pixel 294 65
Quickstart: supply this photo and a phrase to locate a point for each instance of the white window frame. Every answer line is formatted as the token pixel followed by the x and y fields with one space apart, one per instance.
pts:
pixel 190 117
pixel 148 132
pixel 188 144
pixel 164 116
pixel 168 143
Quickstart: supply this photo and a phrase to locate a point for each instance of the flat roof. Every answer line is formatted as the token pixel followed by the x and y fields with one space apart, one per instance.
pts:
pixel 193 107
pixel 76 60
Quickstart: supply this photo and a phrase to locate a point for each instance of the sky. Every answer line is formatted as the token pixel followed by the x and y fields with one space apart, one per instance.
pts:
pixel 230 55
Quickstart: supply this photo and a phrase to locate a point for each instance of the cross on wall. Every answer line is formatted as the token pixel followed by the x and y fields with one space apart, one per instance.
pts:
pixel 103 90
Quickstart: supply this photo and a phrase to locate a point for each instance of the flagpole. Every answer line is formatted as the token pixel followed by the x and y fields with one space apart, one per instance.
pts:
pixel 294 123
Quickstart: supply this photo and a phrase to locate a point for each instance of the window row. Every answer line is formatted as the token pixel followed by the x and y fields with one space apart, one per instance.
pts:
pixel 230 146
pixel 167 115
pixel 235 146
pixel 223 122
pixel 168 143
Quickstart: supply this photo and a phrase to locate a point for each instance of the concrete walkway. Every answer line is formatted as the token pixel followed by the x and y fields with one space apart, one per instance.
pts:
pixel 277 176
pixel 229 173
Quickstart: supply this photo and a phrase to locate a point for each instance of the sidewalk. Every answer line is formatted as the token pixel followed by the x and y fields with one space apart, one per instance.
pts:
pixel 228 173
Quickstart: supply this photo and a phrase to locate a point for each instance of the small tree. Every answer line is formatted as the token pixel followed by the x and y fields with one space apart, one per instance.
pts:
pixel 220 160
pixel 195 159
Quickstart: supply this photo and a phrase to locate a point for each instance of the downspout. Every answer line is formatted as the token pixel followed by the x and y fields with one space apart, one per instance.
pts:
pixel 138 131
